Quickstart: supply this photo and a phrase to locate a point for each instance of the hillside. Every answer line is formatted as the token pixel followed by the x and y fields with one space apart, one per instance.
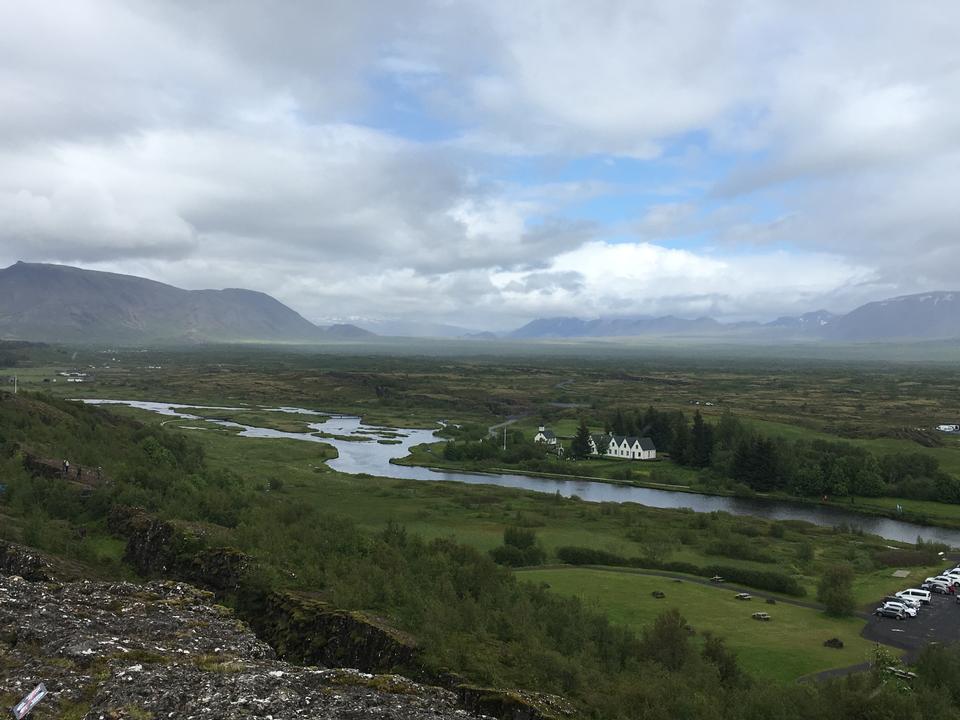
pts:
pixel 927 316
pixel 43 302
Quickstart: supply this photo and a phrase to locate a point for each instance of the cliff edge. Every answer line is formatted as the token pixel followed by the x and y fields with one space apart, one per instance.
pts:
pixel 112 651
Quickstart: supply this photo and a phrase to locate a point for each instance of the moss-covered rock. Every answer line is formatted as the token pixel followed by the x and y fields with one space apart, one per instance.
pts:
pixel 307 630
pixel 513 704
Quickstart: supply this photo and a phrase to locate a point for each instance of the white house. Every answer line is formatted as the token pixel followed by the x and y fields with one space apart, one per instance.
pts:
pixel 546 436
pixel 630 447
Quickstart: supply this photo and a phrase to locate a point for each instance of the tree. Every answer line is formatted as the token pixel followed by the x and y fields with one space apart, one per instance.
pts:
pixel 835 590
pixel 667 640
pixel 701 442
pixel 580 447
pixel 715 650
pixel 619 423
pixel 681 441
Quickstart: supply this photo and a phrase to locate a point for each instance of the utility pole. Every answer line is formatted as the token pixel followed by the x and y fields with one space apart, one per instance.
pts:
pixel 504 437
pixel 14 384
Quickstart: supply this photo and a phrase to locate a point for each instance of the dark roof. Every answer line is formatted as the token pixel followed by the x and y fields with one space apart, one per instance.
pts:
pixel 546 433
pixel 645 443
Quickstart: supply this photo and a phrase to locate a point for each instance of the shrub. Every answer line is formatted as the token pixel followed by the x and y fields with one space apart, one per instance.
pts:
pixel 760 579
pixel 835 590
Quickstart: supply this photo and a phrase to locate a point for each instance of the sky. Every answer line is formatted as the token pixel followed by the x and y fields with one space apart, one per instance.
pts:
pixel 485 163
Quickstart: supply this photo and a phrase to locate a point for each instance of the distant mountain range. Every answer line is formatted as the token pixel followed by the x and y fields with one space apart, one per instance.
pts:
pixel 926 316
pixel 59 303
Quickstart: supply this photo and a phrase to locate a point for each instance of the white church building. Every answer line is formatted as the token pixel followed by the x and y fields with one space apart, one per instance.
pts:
pixel 630 447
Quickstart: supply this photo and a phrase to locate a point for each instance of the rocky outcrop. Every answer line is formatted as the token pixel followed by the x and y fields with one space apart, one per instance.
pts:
pixel 164 649
pixel 22 561
pixel 513 704
pixel 302 628
pixel 158 547
pixel 307 630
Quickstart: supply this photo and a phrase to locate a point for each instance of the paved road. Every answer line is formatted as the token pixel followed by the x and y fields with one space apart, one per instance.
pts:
pixel 509 421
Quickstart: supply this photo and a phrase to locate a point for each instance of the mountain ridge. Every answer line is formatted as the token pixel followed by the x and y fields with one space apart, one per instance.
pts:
pixel 916 317
pixel 48 302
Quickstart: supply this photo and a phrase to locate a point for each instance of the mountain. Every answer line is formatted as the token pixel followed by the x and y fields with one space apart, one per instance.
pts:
pixel 811 322
pixel 60 303
pixel 926 316
pixel 413 328
pixel 568 327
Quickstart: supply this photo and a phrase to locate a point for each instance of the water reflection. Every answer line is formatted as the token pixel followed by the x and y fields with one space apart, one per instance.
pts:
pixel 365 455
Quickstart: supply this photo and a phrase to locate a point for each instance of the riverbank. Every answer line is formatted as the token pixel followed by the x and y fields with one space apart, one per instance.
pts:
pixel 373 459
pixel 937 515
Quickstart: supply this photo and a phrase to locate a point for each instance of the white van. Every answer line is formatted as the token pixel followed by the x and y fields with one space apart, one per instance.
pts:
pixel 916 594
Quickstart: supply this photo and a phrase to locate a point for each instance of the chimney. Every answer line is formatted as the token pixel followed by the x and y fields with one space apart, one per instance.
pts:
pixel 542 428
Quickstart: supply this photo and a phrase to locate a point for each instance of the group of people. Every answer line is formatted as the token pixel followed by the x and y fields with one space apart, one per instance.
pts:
pixel 65 471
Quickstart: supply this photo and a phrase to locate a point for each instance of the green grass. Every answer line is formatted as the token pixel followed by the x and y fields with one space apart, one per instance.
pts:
pixel 784 649
pixel 284 422
pixel 477 514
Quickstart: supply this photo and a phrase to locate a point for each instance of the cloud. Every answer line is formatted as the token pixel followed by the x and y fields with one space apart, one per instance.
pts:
pixel 489 161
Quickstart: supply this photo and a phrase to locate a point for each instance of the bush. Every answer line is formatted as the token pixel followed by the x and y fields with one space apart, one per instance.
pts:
pixel 835 590
pixel 519 548
pixel 590 556
pixel 760 579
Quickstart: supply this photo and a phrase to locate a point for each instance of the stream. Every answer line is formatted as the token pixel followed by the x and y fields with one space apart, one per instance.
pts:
pixel 373 458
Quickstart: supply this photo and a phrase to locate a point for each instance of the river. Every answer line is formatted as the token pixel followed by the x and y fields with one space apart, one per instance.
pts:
pixel 373 458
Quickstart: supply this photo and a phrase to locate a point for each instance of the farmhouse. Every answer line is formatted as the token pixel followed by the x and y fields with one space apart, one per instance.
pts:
pixel 545 435
pixel 623 446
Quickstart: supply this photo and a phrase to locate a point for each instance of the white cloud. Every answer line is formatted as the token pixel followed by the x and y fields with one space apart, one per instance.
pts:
pixel 251 145
pixel 645 279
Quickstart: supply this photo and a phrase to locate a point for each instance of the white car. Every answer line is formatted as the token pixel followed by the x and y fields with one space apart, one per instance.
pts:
pixel 903 607
pixel 916 594
pixel 941 588
pixel 909 602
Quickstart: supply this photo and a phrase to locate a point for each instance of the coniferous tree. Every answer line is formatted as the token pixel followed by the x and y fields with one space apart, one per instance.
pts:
pixel 701 442
pixel 580 447
pixel 681 441
pixel 619 423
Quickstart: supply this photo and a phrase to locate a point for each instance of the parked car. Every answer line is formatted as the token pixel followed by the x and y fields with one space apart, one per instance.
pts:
pixel 760 616
pixel 907 610
pixel 909 602
pixel 744 596
pixel 915 593
pixel 890 612
pixel 937 586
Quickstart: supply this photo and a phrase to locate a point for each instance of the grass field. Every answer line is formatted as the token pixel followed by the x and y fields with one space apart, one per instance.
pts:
pixel 783 649
pixel 477 515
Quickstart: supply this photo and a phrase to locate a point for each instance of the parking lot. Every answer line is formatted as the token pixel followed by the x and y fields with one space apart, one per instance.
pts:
pixel 937 622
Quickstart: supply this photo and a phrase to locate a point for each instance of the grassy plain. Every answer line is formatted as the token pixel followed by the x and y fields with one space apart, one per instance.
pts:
pixel 478 514
pixel 876 405
pixel 880 405
pixel 783 649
